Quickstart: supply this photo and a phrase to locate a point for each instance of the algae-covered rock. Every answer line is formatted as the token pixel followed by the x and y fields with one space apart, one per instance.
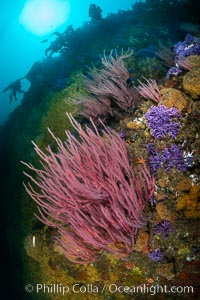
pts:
pixel 35 246
pixel 194 60
pixel 166 271
pixel 164 213
pixel 142 241
pixel 173 98
pixel 189 203
pixel 135 125
pixel 191 83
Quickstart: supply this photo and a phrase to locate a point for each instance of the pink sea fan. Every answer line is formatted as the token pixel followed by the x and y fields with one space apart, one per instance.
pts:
pixel 112 81
pixel 96 109
pixel 166 55
pixel 149 90
pixel 184 63
pixel 90 194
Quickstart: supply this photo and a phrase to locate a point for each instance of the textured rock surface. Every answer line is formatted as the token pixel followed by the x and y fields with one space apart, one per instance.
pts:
pixel 173 98
pixel 191 83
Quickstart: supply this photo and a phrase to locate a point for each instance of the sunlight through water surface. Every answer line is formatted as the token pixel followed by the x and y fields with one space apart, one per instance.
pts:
pixel 42 17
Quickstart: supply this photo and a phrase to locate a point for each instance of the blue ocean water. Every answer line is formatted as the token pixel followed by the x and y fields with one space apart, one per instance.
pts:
pixel 20 47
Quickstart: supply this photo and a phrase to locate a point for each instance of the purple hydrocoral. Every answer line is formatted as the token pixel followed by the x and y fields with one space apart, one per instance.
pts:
pixel 162 228
pixel 190 46
pixel 155 162
pixel 160 120
pixel 168 159
pixel 155 158
pixel 156 255
pixel 173 71
pixel 123 135
pixel 89 192
pixel 173 157
pixel 153 200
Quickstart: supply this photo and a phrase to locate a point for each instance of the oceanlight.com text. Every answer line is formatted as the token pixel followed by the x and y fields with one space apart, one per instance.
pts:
pixel 90 288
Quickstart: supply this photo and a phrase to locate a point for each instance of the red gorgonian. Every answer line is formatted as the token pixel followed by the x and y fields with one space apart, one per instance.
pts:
pixel 89 192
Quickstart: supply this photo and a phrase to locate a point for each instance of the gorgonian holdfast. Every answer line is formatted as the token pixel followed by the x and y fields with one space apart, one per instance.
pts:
pixel 90 194
pixel 163 121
